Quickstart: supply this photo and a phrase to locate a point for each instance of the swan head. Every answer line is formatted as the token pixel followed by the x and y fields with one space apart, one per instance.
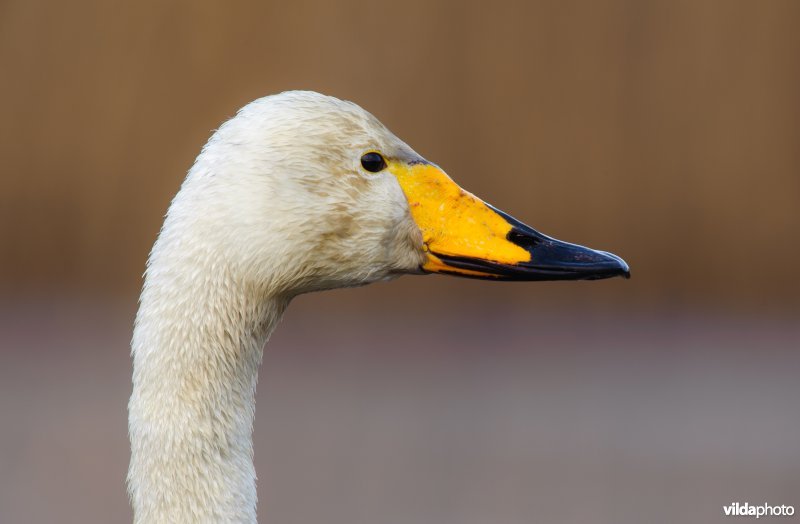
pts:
pixel 301 192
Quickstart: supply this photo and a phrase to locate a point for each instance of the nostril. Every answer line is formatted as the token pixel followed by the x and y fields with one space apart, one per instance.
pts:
pixel 522 240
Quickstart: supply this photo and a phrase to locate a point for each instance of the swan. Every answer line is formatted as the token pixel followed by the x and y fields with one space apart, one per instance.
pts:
pixel 297 192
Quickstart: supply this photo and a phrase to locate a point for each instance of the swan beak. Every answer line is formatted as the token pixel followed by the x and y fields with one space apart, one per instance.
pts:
pixel 464 236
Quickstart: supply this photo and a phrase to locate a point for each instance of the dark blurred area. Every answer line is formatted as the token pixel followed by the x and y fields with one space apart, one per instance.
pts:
pixel 666 132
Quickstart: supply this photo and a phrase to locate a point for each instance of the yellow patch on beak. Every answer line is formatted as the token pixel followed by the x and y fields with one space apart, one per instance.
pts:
pixel 453 222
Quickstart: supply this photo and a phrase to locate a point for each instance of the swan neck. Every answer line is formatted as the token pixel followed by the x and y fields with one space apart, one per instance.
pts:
pixel 196 348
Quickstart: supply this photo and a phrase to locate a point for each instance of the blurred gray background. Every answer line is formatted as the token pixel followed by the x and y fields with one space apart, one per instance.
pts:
pixel 666 132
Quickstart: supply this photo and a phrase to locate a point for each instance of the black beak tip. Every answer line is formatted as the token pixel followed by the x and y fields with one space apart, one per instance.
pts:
pixel 620 267
pixel 559 260
pixel 552 259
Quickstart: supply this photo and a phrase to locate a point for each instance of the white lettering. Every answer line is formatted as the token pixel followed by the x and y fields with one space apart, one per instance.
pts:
pixel 738 509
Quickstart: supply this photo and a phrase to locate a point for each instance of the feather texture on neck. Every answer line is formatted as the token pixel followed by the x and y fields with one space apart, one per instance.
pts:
pixel 197 346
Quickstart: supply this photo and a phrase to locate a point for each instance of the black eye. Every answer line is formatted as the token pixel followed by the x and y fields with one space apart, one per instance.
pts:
pixel 373 162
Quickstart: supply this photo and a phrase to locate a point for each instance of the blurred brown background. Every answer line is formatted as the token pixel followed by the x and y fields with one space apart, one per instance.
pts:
pixel 667 132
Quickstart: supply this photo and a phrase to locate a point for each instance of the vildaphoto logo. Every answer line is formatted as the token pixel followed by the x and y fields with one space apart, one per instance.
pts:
pixel 737 509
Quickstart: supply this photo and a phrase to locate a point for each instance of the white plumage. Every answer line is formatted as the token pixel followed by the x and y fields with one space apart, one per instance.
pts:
pixel 275 205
